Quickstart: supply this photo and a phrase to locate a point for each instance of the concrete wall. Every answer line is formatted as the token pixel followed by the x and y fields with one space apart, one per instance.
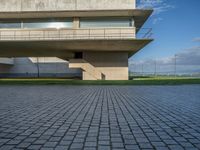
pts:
pixel 57 5
pixel 24 67
pixel 46 34
pixel 114 65
pixel 6 61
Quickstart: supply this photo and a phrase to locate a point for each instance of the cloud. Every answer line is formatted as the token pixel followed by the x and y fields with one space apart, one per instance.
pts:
pixel 187 61
pixel 196 39
pixel 190 56
pixel 159 7
pixel 156 20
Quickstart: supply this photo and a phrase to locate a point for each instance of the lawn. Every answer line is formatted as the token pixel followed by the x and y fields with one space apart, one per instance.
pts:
pixel 135 81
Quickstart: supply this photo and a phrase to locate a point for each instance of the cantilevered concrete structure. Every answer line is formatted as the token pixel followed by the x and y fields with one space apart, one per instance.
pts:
pixel 97 36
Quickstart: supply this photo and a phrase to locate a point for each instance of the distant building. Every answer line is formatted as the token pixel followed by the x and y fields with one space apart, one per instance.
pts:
pixel 93 37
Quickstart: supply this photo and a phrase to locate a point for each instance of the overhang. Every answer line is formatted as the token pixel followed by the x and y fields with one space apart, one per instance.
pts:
pixel 67 48
pixel 140 15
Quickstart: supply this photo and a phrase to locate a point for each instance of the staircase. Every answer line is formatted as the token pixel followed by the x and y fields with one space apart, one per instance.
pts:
pixel 87 67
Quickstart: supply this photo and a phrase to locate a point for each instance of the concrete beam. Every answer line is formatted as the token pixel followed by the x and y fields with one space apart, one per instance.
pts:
pixel 62 48
pixel 58 5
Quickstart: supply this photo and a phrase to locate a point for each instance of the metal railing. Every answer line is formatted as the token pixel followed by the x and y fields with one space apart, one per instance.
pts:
pixel 72 34
pixel 145 33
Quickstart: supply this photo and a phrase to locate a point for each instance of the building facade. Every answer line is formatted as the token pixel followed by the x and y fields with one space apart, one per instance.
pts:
pixel 94 36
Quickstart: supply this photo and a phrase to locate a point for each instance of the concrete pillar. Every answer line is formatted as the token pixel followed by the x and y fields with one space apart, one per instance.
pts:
pixel 112 65
pixel 76 23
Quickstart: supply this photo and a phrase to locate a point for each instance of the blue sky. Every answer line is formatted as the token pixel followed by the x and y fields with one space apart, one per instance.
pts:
pixel 176 30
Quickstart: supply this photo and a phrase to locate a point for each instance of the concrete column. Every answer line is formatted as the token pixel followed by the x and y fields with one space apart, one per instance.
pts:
pixel 76 23
pixel 112 65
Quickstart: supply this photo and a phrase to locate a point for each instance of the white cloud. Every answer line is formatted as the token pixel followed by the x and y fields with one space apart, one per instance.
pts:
pixel 196 39
pixel 187 61
pixel 156 20
pixel 159 7
pixel 190 56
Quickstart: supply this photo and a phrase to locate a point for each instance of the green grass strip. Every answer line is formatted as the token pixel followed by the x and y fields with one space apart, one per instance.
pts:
pixel 138 81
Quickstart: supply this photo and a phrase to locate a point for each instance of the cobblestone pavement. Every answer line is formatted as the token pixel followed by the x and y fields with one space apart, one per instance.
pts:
pixel 99 117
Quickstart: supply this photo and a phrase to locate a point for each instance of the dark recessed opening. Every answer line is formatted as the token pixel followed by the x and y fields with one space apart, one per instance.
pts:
pixel 79 55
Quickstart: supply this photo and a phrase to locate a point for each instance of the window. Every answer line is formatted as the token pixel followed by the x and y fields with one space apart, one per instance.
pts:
pixel 10 25
pixel 67 23
pixel 38 23
pixel 105 22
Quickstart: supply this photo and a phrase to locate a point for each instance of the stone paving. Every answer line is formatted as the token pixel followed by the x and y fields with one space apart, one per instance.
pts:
pixel 99 117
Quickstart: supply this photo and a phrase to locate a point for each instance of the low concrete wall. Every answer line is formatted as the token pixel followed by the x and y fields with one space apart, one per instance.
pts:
pixel 50 34
pixel 6 61
pixel 58 5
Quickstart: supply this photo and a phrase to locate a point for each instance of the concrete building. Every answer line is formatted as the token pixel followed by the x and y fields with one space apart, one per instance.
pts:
pixel 94 36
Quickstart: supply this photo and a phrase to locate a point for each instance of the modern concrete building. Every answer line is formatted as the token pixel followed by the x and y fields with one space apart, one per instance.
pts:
pixel 95 36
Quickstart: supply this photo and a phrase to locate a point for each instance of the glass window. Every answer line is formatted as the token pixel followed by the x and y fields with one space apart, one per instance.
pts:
pixel 10 25
pixel 105 22
pixel 48 24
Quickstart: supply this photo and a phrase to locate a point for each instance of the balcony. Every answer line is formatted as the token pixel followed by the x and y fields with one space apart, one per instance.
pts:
pixel 64 42
pixel 72 34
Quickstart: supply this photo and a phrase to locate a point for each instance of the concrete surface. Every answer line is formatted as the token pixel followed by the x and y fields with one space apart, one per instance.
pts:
pixel 102 66
pixel 112 65
pixel 6 61
pixel 59 5
pixel 100 117
pixel 63 34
